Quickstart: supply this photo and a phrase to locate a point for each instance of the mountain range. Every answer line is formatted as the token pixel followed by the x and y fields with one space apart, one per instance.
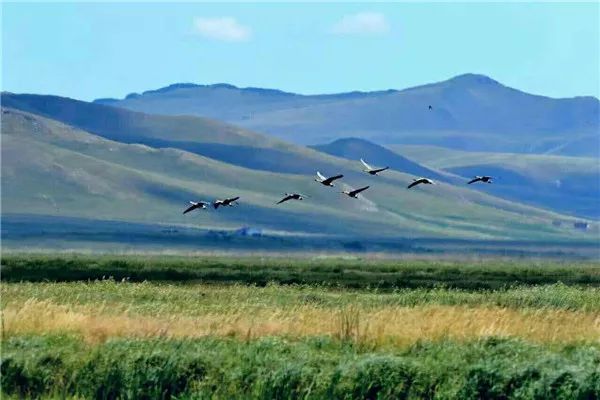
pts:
pixel 103 161
pixel 468 112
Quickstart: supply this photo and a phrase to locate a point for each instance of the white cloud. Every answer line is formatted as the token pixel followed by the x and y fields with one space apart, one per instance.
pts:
pixel 227 29
pixel 364 23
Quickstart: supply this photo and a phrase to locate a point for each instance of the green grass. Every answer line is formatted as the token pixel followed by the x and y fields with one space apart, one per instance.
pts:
pixel 316 368
pixel 164 299
pixel 73 353
pixel 354 273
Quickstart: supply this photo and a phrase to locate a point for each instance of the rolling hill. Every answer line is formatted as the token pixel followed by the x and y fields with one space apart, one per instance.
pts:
pixel 355 149
pixel 51 168
pixel 567 184
pixel 469 112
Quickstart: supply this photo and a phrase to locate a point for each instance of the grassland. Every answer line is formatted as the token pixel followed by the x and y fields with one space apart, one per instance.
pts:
pixel 315 368
pixel 184 328
pixel 333 272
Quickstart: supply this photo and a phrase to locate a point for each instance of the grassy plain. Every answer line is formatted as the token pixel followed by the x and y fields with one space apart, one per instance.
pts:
pixel 235 328
pixel 352 272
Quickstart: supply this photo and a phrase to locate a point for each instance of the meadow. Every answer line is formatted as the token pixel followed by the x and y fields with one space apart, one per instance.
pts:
pixel 86 326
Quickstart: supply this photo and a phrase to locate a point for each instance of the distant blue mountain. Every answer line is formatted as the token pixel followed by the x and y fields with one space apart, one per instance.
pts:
pixel 468 112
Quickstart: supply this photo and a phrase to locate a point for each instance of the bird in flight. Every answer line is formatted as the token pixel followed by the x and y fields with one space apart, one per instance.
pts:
pixel 225 202
pixel 327 181
pixel 431 108
pixel 485 179
pixel 425 181
pixel 194 205
pixel 291 196
pixel 370 170
pixel 354 193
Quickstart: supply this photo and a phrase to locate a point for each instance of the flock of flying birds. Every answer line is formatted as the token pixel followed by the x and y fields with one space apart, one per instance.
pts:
pixel 326 181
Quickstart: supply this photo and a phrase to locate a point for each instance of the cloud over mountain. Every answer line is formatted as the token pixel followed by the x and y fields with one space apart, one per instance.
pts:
pixel 226 29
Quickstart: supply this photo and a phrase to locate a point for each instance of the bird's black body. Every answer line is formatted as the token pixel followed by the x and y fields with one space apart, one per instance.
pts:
pixel 419 181
pixel 484 179
pixel 194 206
pixel 354 193
pixel 226 202
pixel 327 181
pixel 291 196
pixel 370 170
pixel 376 171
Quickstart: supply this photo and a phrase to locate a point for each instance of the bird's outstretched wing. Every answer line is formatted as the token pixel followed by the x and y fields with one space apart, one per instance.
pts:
pixel 286 198
pixel 231 200
pixel 357 191
pixel 367 166
pixel 415 183
pixel 192 207
pixel 476 179
pixel 320 176
pixel 331 179
pixel 378 170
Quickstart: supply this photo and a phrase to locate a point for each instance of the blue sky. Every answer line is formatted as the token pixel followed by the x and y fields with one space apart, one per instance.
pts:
pixel 88 50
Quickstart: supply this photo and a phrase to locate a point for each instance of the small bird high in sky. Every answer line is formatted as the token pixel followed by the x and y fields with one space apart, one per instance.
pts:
pixel 485 179
pixel 354 193
pixel 291 196
pixel 327 181
pixel 196 205
pixel 419 181
pixel 225 202
pixel 370 170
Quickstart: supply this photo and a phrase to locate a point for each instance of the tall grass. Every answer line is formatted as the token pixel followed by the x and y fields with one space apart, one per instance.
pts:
pixel 318 368
pixel 161 327
pixel 356 273
pixel 152 298
pixel 100 310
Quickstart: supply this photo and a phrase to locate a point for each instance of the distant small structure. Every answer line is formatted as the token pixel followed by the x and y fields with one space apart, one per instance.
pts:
pixel 581 225
pixel 249 231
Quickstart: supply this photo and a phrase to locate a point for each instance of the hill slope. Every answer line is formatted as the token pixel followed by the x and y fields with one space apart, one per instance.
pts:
pixel 50 168
pixel 567 184
pixel 469 112
pixel 355 149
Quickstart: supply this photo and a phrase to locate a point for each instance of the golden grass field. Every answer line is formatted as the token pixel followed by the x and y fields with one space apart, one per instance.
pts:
pixel 101 310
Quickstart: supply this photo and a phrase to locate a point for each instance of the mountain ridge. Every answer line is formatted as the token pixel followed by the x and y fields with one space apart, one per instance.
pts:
pixel 470 112
pixel 465 77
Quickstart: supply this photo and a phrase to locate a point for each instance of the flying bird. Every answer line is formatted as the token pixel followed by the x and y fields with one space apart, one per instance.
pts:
pixel 327 181
pixel 291 196
pixel 431 108
pixel 354 193
pixel 485 179
pixel 371 170
pixel 195 205
pixel 225 202
pixel 421 180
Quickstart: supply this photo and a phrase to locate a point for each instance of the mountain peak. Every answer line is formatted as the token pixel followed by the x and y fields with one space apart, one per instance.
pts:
pixel 473 79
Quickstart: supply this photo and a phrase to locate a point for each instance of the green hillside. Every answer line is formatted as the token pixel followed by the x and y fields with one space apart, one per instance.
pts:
pixel 53 169
pixel 566 184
